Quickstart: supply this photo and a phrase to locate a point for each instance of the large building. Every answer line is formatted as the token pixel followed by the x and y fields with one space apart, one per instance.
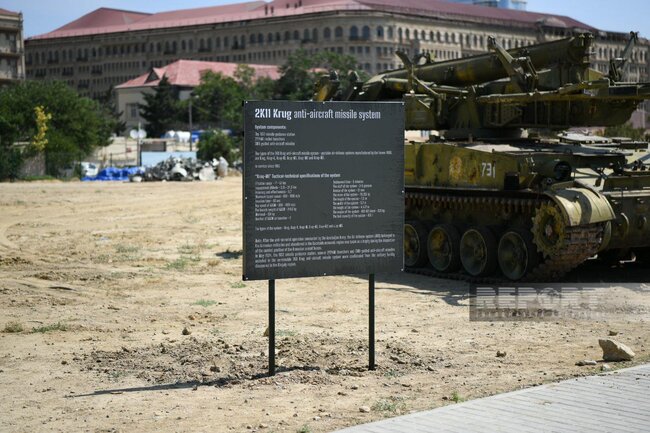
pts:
pixel 107 47
pixel 12 49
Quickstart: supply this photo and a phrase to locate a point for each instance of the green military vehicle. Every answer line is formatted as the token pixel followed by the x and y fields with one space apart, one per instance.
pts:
pixel 499 192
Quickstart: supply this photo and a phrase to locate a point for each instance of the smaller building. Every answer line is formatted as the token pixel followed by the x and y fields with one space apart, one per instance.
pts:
pixel 185 75
pixel 12 47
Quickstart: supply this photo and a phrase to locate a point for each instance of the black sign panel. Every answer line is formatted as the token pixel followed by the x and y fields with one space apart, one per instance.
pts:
pixel 323 188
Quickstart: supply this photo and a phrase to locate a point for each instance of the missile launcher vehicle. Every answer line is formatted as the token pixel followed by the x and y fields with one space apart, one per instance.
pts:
pixel 498 192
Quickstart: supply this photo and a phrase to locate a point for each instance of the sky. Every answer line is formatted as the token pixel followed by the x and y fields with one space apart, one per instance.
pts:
pixel 42 16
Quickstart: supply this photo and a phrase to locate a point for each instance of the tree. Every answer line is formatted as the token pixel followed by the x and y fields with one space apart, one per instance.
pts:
pixel 214 144
pixel 217 104
pixel 302 70
pixel 109 104
pixel 161 109
pixel 54 119
pixel 218 101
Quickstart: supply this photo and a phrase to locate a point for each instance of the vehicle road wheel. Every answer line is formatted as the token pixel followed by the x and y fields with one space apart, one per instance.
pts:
pixel 478 251
pixel 517 254
pixel 443 244
pixel 415 235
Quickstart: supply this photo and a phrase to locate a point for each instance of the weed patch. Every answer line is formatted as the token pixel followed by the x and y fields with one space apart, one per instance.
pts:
pixel 13 327
pixel 205 302
pixel 50 328
pixel 392 405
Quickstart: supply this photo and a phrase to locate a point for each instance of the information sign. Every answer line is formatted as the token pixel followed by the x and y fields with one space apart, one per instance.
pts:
pixel 323 188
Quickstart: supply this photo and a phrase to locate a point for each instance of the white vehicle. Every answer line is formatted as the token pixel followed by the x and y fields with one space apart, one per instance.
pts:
pixel 89 169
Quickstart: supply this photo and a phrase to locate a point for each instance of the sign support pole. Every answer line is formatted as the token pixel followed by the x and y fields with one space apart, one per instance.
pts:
pixel 371 327
pixel 271 327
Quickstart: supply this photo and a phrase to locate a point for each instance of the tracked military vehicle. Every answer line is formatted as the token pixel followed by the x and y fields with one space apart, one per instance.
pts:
pixel 497 192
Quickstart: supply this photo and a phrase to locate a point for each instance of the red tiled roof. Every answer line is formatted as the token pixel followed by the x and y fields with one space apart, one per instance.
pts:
pixel 103 17
pixel 110 20
pixel 460 10
pixel 188 73
pixel 6 12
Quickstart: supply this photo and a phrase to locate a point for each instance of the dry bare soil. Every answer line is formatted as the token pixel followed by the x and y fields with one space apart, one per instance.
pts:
pixel 98 282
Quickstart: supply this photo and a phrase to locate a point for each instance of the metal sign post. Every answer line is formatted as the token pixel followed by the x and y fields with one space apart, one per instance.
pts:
pixel 371 325
pixel 271 327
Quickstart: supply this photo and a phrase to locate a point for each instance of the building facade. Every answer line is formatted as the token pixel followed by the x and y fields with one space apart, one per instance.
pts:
pixel 108 47
pixel 12 48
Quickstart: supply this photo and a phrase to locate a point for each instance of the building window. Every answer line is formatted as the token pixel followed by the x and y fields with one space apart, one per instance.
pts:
pixel 296 35
pixel 354 33
pixel 287 35
pixel 365 33
pixel 338 33
pixel 327 33
pixel 314 35
pixel 132 111
pixel 380 32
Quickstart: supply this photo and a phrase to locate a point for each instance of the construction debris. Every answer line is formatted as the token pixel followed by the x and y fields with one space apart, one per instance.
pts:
pixel 182 169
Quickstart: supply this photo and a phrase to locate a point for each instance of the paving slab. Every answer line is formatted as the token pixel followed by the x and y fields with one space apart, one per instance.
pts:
pixel 613 402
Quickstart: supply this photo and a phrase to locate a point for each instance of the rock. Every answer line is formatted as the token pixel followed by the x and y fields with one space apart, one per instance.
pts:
pixel 612 333
pixel 64 362
pixel 605 367
pixel 501 354
pixel 263 425
pixel 316 418
pixel 186 331
pixel 354 387
pixel 614 351
pixel 586 362
pixel 215 369
pixel 364 409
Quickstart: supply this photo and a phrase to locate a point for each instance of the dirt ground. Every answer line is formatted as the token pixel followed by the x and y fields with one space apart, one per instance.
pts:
pixel 122 309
